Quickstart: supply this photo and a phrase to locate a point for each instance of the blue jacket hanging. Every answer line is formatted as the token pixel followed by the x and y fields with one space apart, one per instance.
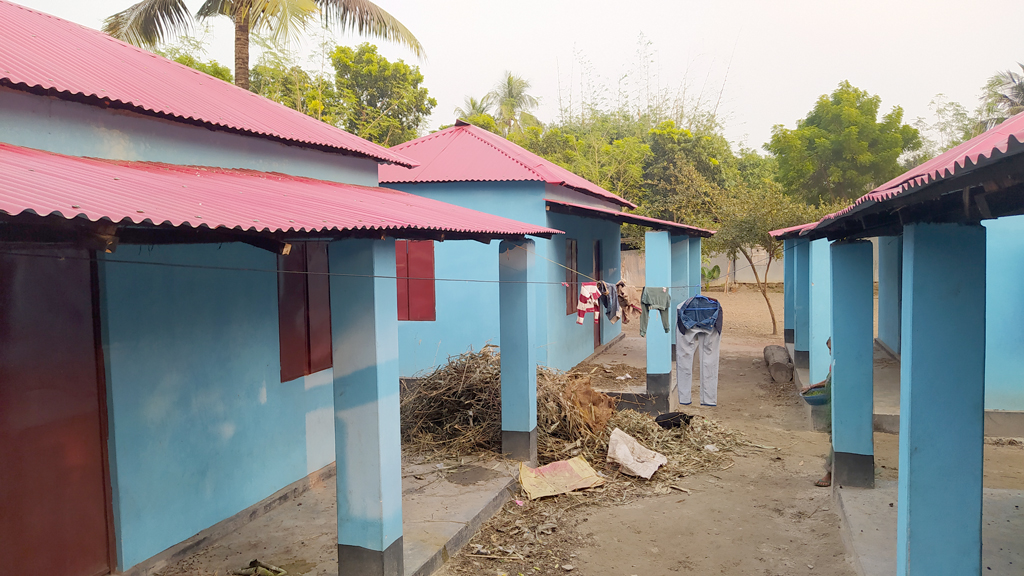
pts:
pixel 700 312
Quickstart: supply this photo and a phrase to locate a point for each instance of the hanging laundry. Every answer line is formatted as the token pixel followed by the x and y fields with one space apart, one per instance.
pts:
pixel 627 301
pixel 589 295
pixel 657 299
pixel 610 301
pixel 698 327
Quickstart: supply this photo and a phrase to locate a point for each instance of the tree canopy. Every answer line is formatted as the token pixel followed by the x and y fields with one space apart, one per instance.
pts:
pixel 150 23
pixel 842 149
pixel 381 101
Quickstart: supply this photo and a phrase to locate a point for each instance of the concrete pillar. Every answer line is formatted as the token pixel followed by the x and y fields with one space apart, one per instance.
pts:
pixel 853 463
pixel 820 304
pixel 518 316
pixel 694 246
pixel 942 389
pixel 890 272
pixel 801 301
pixel 368 446
pixel 788 289
pixel 658 274
pixel 680 269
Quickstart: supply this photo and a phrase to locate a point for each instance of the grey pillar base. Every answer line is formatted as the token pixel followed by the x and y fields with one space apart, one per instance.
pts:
pixel 359 561
pixel 659 386
pixel 520 446
pixel 801 358
pixel 821 418
pixel 789 334
pixel 853 470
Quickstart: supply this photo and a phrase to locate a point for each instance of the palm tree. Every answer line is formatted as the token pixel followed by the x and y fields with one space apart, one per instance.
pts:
pixel 513 103
pixel 1004 97
pixel 151 22
pixel 474 107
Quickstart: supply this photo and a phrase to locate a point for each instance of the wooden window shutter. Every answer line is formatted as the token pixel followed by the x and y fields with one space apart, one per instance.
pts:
pixel 572 291
pixel 402 273
pixel 421 280
pixel 292 313
pixel 319 298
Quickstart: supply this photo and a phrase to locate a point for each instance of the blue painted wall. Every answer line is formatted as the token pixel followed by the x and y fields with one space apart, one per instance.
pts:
pixel 695 265
pixel 680 270
pixel 820 327
pixel 890 273
pixel 568 343
pixel 658 273
pixel 201 426
pixel 467 312
pixel 801 294
pixel 1004 320
pixel 77 129
pixel 788 283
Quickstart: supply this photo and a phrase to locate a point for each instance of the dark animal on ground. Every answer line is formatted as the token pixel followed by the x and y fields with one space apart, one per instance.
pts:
pixel 673 420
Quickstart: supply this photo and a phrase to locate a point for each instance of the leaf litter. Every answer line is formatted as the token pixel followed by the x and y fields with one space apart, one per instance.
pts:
pixel 456 411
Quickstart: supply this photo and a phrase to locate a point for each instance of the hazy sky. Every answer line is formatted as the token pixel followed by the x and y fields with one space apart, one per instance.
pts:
pixel 764 63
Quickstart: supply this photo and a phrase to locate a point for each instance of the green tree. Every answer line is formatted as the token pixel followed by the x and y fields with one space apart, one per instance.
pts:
pixel 514 105
pixel 953 124
pixel 152 22
pixel 485 121
pixel 189 50
pixel 755 206
pixel 1003 97
pixel 278 77
pixel 841 149
pixel 381 101
pixel 474 107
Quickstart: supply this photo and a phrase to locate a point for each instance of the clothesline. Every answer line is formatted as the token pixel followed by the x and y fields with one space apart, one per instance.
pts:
pixel 276 271
pixel 343 274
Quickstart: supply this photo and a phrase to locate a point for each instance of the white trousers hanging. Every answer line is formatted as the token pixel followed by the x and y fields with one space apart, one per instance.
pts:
pixel 686 344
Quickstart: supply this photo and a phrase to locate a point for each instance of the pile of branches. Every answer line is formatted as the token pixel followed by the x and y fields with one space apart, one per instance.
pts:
pixel 456 411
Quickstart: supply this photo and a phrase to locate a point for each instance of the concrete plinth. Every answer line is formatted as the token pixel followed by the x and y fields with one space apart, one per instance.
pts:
pixel 366 408
pixel 788 287
pixel 658 275
pixel 852 377
pixel 516 269
pixel 941 401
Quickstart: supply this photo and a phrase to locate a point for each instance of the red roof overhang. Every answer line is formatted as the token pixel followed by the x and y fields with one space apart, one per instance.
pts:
pixel 466 153
pixel 674 228
pixel 194 197
pixel 47 55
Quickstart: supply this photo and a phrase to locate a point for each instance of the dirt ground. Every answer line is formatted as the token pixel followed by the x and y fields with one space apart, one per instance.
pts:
pixel 759 515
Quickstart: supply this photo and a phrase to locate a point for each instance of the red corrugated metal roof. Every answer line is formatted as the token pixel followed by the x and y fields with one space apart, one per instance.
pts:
pixel 45 183
pixel 792 231
pixel 627 218
pixel 42 51
pixel 465 153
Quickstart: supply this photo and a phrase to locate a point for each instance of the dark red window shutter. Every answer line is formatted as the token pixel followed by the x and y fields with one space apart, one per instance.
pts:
pixel 319 291
pixel 292 313
pixel 402 272
pixel 421 282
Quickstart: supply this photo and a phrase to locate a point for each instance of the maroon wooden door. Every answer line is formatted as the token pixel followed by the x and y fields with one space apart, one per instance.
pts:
pixel 53 497
pixel 597 276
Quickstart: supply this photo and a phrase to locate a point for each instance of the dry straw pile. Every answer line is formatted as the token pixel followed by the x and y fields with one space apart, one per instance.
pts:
pixel 456 411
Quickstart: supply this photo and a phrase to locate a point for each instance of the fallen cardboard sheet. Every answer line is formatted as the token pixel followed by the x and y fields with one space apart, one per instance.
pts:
pixel 558 478
pixel 633 458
